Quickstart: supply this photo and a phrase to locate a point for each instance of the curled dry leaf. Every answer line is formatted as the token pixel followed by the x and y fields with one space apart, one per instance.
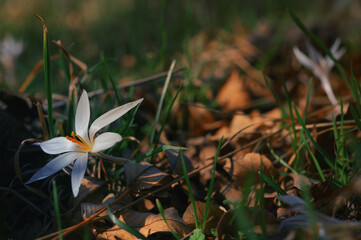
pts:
pixel 144 176
pixel 214 214
pixel 250 163
pixel 89 188
pixel 146 224
pixel 176 161
pixel 88 209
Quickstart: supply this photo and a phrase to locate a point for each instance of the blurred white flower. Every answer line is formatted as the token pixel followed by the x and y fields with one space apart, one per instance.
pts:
pixel 83 142
pixel 10 49
pixel 321 66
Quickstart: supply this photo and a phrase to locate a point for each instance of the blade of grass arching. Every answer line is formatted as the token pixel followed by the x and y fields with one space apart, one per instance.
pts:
pixel 307 99
pixel 294 138
pixel 57 211
pixel 47 77
pixel 280 159
pixel 160 104
pixel 211 186
pixel 188 182
pixel 342 71
pixel 161 211
pixel 315 161
pixel 328 158
pixel 124 226
pixel 167 115
pixel 272 183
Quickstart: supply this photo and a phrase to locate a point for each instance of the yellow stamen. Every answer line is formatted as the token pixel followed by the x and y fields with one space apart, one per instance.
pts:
pixel 75 138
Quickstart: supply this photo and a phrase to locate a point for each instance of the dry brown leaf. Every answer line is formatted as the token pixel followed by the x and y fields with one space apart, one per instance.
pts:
pixel 299 180
pixel 89 189
pixel 233 95
pixel 147 224
pixel 88 209
pixel 250 163
pixel 199 118
pixel 176 161
pixel 144 176
pixel 214 214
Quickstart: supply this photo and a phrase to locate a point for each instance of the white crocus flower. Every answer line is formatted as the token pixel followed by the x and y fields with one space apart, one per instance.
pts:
pixel 81 143
pixel 321 66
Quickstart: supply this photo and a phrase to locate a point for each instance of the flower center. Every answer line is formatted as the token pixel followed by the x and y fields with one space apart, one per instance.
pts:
pixel 75 138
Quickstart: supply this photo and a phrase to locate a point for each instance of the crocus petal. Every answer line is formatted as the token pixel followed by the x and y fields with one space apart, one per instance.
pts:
pixel 111 116
pixel 303 59
pixel 105 141
pixel 82 116
pixel 335 46
pixel 54 165
pixel 58 145
pixel 78 173
pixel 337 55
pixel 313 53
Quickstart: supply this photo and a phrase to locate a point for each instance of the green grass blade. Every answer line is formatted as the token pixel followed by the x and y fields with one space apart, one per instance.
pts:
pixel 162 149
pixel 272 184
pixel 211 186
pixel 167 115
pixel 188 182
pixel 124 226
pixel 160 104
pixel 315 161
pixel 47 77
pixel 327 157
pixel 280 159
pixel 57 210
pixel 161 211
